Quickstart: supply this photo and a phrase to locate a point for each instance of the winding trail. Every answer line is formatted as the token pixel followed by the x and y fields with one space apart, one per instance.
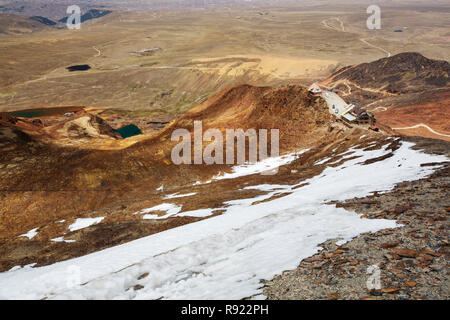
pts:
pixel 342 29
pixel 348 83
pixel 388 54
pixel 424 126
pixel 349 89
pixel 99 53
pixel 384 108
pixel 324 22
pixel 342 24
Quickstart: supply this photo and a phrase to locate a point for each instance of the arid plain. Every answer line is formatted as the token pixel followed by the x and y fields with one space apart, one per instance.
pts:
pixel 197 52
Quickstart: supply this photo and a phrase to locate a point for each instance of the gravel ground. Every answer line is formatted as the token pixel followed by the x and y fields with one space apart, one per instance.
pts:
pixel 412 260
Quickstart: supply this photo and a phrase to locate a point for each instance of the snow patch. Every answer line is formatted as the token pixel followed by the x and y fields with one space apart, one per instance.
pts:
pixel 82 223
pixel 263 166
pixel 198 213
pixel 176 195
pixel 25 267
pixel 170 209
pixel 30 234
pixel 61 239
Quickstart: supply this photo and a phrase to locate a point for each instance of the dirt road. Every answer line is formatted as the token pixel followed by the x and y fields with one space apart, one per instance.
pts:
pixel 423 125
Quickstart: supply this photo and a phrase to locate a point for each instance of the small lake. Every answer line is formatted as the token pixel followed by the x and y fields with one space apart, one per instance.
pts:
pixel 80 67
pixel 129 131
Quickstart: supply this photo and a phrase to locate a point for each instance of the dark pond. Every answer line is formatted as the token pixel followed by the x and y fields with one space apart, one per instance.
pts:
pixel 80 67
pixel 129 131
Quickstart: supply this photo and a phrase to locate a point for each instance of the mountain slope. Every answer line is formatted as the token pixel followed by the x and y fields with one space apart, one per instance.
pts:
pixel 402 73
pixel 14 24
pixel 62 202
pixel 291 109
pixel 271 224
pixel 69 182
pixel 405 84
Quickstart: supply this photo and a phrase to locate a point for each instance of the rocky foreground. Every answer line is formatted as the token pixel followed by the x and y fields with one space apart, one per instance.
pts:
pixel 413 259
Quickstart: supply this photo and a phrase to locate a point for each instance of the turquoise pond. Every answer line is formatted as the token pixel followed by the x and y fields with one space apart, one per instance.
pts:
pixel 129 131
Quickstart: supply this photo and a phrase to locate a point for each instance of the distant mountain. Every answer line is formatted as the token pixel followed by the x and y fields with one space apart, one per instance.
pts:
pixel 402 73
pixel 91 14
pixel 17 24
pixel 16 9
pixel 405 90
pixel 43 20
pixel 14 23
pixel 52 10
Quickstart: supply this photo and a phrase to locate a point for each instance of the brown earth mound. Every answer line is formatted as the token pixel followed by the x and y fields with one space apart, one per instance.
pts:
pixel 302 120
pixel 291 109
pixel 61 162
pixel 75 128
pixel 413 84
pixel 433 117
pixel 401 73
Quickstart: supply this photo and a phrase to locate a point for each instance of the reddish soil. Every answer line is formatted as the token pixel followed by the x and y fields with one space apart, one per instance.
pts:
pixel 434 114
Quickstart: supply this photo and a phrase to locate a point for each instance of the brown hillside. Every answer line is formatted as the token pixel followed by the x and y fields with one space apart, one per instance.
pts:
pixel 298 115
pixel 434 113
pixel 401 73
pixel 413 84
pixel 43 183
pixel 80 179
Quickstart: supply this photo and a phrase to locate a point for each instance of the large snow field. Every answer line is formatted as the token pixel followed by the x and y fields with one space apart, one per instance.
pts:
pixel 226 256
